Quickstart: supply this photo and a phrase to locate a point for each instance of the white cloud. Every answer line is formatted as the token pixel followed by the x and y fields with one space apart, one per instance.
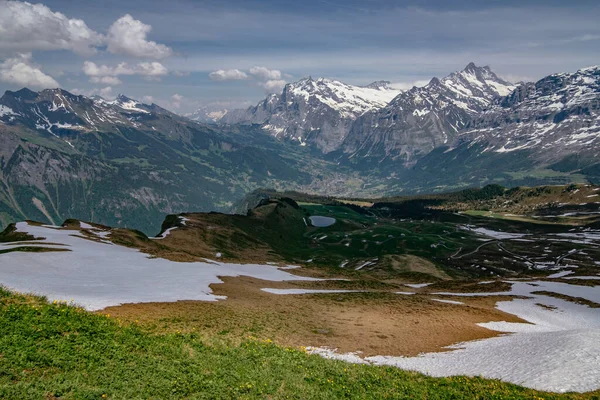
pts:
pixel 176 100
pixel 228 75
pixel 26 27
pixel 269 79
pixel 107 80
pixel 273 86
pixel 181 73
pixel 77 91
pixel 150 69
pixel 109 75
pixel 128 36
pixel 265 74
pixel 21 71
pixel 106 92
pixel 148 99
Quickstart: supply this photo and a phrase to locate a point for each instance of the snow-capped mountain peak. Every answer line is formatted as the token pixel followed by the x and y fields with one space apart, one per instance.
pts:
pixel 554 116
pixel 209 114
pixel 316 111
pixel 60 113
pixel 477 81
pixel 351 101
pixel 422 118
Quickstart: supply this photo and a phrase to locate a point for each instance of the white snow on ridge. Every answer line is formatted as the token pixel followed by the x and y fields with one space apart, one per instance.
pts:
pixel 98 275
pixel 557 351
pixel 131 106
pixel 166 233
pixel 4 110
pixel 350 100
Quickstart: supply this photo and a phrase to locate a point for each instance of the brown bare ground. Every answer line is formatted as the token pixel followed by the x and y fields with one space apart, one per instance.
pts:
pixel 374 323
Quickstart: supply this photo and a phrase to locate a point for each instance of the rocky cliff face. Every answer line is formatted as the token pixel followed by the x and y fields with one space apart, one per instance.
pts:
pixel 555 117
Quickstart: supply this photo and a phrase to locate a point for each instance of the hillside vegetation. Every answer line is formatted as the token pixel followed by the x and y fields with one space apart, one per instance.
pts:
pixel 59 351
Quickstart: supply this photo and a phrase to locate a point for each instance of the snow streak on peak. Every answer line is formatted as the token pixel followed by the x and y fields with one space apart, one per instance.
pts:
pixel 349 100
pixel 554 116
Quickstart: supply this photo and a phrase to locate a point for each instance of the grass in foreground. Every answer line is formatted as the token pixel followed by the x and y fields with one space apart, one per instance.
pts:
pixel 50 351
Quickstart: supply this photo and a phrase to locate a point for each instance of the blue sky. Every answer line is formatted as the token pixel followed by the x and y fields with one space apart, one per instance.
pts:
pixel 179 43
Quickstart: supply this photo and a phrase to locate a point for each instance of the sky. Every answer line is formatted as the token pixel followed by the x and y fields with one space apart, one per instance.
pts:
pixel 185 54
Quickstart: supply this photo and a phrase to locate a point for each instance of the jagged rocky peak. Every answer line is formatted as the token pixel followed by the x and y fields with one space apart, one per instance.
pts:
pixel 312 111
pixel 379 85
pixel 477 81
pixel 22 95
pixel 555 117
pixel 423 118
pixel 57 111
pixel 209 113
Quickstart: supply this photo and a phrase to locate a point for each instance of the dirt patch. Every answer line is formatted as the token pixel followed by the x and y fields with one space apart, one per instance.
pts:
pixel 373 323
pixel 469 287
pixel 406 263
pixel 31 249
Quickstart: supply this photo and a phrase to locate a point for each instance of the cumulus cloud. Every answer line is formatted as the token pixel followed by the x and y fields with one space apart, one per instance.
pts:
pixel 265 74
pixel 109 75
pixel 150 69
pixel 128 36
pixel 181 73
pixel 27 27
pixel 228 75
pixel 269 79
pixel 21 71
pixel 176 100
pixel 106 80
pixel 106 92
pixel 273 85
pixel 144 68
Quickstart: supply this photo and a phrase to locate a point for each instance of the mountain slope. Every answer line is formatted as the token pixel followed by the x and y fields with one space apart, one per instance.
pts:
pixel 314 112
pixel 555 117
pixel 423 118
pixel 208 114
pixel 125 163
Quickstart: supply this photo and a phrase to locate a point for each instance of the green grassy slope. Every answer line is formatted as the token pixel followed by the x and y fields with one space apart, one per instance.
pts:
pixel 51 351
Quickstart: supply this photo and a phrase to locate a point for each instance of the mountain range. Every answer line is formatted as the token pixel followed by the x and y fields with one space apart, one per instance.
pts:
pixel 126 163
pixel 316 112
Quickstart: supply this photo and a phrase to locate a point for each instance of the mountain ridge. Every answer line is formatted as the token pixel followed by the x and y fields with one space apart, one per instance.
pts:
pixel 316 112
pixel 64 155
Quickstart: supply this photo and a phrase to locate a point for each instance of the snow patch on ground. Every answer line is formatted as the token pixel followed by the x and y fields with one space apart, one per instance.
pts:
pixel 98 275
pixel 558 349
pixel 85 225
pixel 448 301
pixel 494 234
pixel 560 274
pixel 417 285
